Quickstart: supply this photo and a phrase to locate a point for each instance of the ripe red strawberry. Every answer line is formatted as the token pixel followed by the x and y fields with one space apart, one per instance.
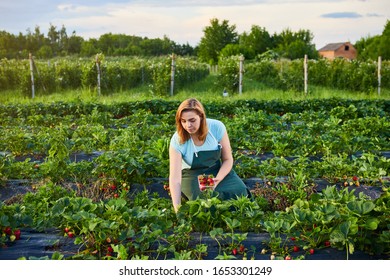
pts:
pixel 17 234
pixel 293 239
pixel 234 251
pixel 113 187
pixel 311 251
pixel 8 231
pixel 242 248
pixel 70 234
pixel 116 195
pixel 66 229
pixel 287 258
pixel 110 250
pixel 355 178
pixel 296 249
pixel 327 243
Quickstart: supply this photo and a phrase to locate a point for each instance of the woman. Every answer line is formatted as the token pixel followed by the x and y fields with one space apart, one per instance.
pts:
pixel 200 146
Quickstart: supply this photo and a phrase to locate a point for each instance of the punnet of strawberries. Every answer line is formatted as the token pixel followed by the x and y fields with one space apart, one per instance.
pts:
pixel 206 181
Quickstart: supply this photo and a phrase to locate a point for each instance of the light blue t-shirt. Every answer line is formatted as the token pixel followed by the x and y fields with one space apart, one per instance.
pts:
pixel 216 131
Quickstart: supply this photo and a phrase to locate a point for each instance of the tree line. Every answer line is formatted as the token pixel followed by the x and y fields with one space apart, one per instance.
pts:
pixel 220 38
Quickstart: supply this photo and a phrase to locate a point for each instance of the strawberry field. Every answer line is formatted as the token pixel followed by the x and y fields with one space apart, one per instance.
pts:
pixel 92 178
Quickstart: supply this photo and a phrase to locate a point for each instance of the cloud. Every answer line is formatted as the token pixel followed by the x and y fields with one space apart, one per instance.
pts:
pixel 373 15
pixel 342 15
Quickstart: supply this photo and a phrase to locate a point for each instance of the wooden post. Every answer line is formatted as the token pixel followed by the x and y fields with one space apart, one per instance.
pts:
pixel 379 74
pixel 142 74
pixel 98 73
pixel 305 73
pixel 173 63
pixel 32 75
pixel 241 74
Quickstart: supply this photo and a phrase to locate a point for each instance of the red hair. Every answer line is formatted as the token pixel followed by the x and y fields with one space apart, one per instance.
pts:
pixel 191 104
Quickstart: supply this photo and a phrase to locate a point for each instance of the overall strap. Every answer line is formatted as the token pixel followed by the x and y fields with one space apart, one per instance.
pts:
pixel 196 150
pixel 215 139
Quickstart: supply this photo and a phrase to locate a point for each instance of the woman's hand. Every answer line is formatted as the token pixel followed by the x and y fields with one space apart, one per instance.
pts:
pixel 216 182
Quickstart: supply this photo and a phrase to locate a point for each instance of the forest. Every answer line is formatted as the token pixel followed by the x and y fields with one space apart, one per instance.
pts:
pixel 220 38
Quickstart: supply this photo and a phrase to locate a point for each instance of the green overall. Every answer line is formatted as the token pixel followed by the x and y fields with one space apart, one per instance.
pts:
pixel 209 162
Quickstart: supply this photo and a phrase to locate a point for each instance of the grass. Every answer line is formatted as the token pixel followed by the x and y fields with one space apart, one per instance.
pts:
pixel 203 90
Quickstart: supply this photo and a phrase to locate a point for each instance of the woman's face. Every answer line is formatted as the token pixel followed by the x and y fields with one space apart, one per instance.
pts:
pixel 190 121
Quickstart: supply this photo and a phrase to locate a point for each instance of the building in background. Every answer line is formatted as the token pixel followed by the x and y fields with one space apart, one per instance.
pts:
pixel 336 50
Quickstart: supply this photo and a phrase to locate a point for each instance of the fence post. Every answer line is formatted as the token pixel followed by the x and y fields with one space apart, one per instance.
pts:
pixel 305 73
pixel 241 74
pixel 98 73
pixel 379 74
pixel 32 75
pixel 173 73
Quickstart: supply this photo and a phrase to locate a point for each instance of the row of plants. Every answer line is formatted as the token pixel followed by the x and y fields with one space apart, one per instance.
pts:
pixel 116 74
pixel 144 226
pixel 271 132
pixel 324 144
pixel 341 74
pixel 77 109
pixel 131 72
pixel 92 201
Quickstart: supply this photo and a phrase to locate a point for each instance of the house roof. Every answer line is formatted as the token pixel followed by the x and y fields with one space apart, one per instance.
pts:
pixel 332 46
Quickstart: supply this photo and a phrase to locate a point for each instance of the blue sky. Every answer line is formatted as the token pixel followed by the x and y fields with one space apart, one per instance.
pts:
pixel 330 21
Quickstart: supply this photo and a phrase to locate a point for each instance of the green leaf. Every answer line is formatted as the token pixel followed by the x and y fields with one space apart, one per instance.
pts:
pixel 232 223
pixel 216 232
pixel 337 236
pixel 92 225
pixel 372 223
pixel 345 228
pixel 360 207
pixel 299 215
pixel 351 247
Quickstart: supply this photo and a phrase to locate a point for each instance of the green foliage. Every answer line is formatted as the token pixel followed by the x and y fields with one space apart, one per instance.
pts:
pixel 216 37
pixel 228 75
pixel 287 144
pixel 336 74
pixel 117 74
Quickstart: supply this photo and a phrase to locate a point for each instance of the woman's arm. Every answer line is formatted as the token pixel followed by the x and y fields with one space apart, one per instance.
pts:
pixel 175 161
pixel 227 159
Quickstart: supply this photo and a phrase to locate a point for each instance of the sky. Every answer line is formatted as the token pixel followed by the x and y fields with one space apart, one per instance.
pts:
pixel 330 21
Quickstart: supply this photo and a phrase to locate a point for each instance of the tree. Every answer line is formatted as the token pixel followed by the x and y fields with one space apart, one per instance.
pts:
pixel 368 47
pixel 295 45
pixel 74 44
pixel 236 50
pixel 216 37
pixel 63 41
pixel 155 47
pixel 384 49
pixel 372 47
pixel 258 40
pixel 89 48
pixel 34 41
pixel 53 37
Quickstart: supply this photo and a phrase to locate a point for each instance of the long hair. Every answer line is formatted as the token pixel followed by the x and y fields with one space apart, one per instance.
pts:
pixel 191 104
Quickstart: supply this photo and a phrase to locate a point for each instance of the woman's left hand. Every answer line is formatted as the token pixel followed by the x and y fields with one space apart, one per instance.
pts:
pixel 216 182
